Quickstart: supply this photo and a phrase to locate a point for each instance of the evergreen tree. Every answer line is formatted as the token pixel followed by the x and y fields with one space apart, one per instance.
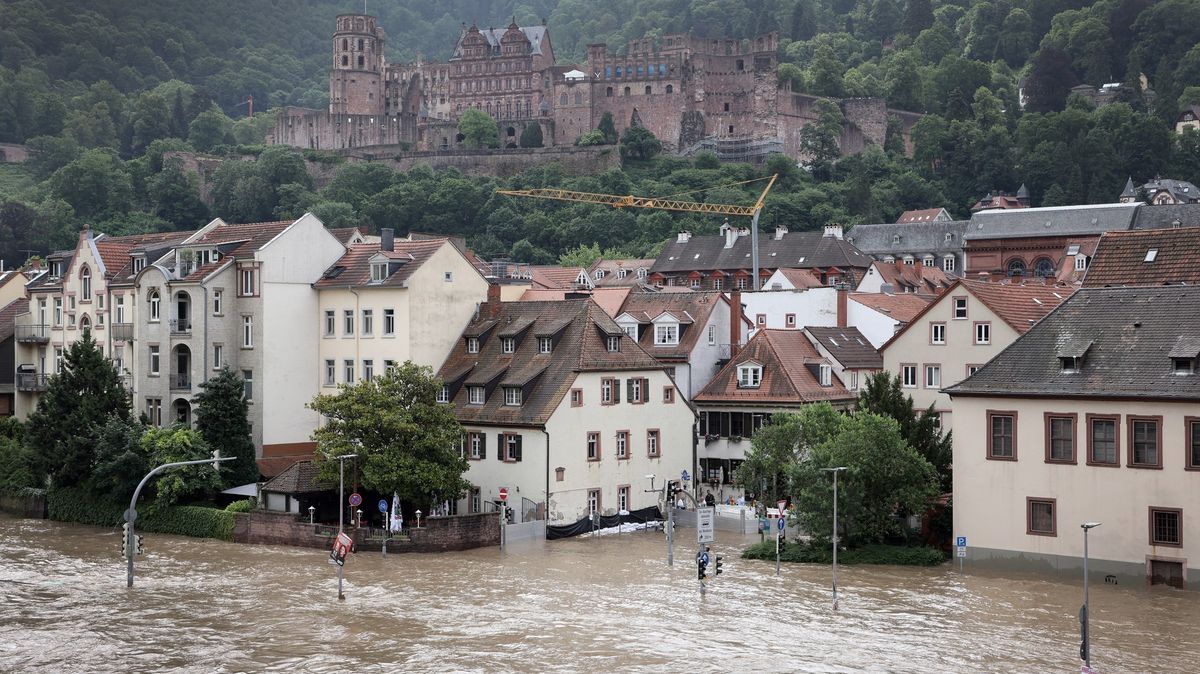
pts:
pixel 918 15
pixel 1050 80
pixel 179 118
pixel 222 420
pixel 63 432
pixel 531 136
pixel 607 128
pixel 883 395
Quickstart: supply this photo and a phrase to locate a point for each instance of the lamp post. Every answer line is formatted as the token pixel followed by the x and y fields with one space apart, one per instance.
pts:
pixel 1085 652
pixel 341 507
pixel 418 519
pixel 311 511
pixel 835 472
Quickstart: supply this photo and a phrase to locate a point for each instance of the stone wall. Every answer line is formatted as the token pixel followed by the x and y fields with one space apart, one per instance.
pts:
pixel 437 534
pixel 11 153
pixel 500 163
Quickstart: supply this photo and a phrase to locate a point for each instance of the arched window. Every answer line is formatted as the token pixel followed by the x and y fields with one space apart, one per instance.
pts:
pixel 85 323
pixel 1043 268
pixel 608 92
pixel 648 90
pixel 155 304
pixel 1016 267
pixel 85 278
pixel 627 91
pixel 670 89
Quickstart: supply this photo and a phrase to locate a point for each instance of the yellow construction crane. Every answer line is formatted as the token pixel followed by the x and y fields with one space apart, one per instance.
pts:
pixel 667 203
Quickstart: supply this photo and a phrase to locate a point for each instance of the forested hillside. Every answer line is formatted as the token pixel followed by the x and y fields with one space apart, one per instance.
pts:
pixel 100 89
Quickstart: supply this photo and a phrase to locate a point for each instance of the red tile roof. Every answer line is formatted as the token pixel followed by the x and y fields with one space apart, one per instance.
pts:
pixel 803 278
pixel 8 316
pixel 609 299
pixel 786 357
pixel 252 236
pixel 902 307
pixel 922 215
pixel 551 277
pixel 354 267
pixel 1120 258
pixel 1019 305
pixel 114 250
pixel 922 279
pixel 693 310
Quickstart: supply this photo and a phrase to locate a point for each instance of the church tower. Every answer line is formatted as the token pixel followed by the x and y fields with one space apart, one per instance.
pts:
pixel 356 81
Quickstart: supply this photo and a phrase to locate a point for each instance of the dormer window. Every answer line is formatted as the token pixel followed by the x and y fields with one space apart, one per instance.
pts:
pixel 139 263
pixel 826 375
pixel 666 335
pixel 599 274
pixel 512 395
pixel 1069 364
pixel 621 273
pixel 472 345
pixel 895 239
pixel 1151 255
pixel 379 271
pixel 1183 366
pixel 631 330
pixel 641 272
pixel 545 344
pixel 749 375
pixel 475 395
pixel 508 345
pixel 55 269
pixel 614 343
pixel 927 261
pixel 949 237
pixel 443 395
pixel 909 261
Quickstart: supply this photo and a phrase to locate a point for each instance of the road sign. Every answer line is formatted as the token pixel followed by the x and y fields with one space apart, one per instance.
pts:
pixel 962 552
pixel 383 505
pixel 704 558
pixel 503 493
pixel 684 477
pixel 782 506
pixel 781 523
pixel 355 499
pixel 704 524
pixel 961 541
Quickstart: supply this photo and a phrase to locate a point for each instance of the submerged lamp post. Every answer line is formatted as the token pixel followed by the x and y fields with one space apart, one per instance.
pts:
pixel 341 506
pixel 1085 652
pixel 835 472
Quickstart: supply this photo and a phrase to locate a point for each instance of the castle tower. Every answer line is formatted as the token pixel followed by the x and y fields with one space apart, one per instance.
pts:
pixel 356 81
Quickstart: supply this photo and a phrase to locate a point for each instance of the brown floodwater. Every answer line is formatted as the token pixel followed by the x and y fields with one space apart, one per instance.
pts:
pixel 604 604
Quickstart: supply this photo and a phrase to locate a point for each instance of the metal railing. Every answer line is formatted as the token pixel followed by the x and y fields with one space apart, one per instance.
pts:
pixel 32 381
pixel 122 332
pixel 38 334
pixel 181 382
pixel 181 326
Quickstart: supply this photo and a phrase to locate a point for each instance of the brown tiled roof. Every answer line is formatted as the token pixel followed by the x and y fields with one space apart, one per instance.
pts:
pixel 692 309
pixel 555 278
pixel 204 270
pixel 786 357
pixel 1120 258
pixel 1019 305
pixel 922 279
pixel 849 347
pixel 802 278
pixel 902 307
pixel 579 347
pixel 609 299
pixel 114 250
pixel 611 267
pixel 354 267
pixel 344 234
pixel 250 236
pixel 922 215
pixel 8 316
pixel 298 478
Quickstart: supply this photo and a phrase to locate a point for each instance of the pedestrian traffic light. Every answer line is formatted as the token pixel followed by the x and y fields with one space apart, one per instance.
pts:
pixel 125 539
pixel 717 566
pixel 139 549
pixel 672 487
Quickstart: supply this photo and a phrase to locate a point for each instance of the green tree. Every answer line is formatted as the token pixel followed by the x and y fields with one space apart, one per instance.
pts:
pixel 593 137
pixel 884 477
pixel 531 136
pixel 15 473
pixel 149 119
pixel 174 198
pixel 608 128
pixel 96 184
pixel 1050 80
pixel 825 73
pixel 479 129
pixel 583 256
pixel 61 433
pixel 918 15
pixel 883 395
pixel 210 129
pixel 778 446
pixel 121 462
pixel 406 441
pixel 180 443
pixel 222 420
pixel 638 143
pixel 820 141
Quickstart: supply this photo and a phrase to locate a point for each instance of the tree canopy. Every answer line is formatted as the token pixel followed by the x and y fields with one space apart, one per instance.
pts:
pixel 223 422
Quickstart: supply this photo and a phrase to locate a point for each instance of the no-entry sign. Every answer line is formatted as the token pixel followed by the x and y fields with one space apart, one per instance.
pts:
pixel 503 493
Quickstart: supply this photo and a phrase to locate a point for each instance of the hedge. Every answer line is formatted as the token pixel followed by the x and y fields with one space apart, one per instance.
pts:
pixel 804 553
pixel 76 505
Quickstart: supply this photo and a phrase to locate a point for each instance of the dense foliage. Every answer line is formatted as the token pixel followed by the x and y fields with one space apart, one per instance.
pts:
pixel 222 419
pixel 812 553
pixel 883 395
pixel 73 504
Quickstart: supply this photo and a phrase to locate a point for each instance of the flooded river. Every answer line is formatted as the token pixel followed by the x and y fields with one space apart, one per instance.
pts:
pixel 606 604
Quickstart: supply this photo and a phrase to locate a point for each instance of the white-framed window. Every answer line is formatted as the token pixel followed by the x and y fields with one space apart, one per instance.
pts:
pixel 246 282
pixel 853 380
pixel 58 312
pixel 909 260
pixel 593 446
pixel 933 376
pixel 622 499
pixel 389 322
pixel 937 333
pixel 475 395
pixel 330 372
pixel 666 335
pixel 614 344
pixel 139 263
pixel 712 335
pixel 983 333
pixel 247 332
pixel 218 297
pixel 472 345
pixel 593 500
pixel 631 330
pixel 85 278
pixel 948 263
pixel 368 369
pixel 545 344
pixel 622 444
pixel 379 271
pixel 826 374
pixel 508 345
pixel 749 375
pixel 1080 262
pixel 475 442
pixel 155 360
pixel 443 395
pixel 635 391
pixel 248 385
pixel 218 356
pixel 448 277
pixel 347 322
pixel 119 309
pixel 512 395
pixel 927 261
pixel 330 323
pixel 960 308
pixel 348 370
pixel 606 391
pixel 908 376
pixel 652 436
pixel 622 273
pixel 155 305
pixel 972 369
pixel 368 322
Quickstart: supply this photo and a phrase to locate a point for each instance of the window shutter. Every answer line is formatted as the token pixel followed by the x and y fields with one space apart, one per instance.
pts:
pixel 645 389
pixel 500 446
pixel 629 390
pixel 518 448
pixel 483 445
pixel 616 391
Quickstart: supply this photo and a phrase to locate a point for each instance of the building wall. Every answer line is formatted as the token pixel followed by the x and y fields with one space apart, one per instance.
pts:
pixel 877 327
pixel 914 347
pixel 439 308
pixel 706 358
pixel 990 496
pixel 816 307
pixel 994 255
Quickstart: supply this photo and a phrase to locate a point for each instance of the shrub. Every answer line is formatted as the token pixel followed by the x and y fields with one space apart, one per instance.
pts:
pixel 804 553
pixel 73 504
pixel 243 506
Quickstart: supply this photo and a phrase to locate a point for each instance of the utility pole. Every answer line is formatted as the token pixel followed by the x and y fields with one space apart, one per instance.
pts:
pixel 1085 651
pixel 341 506
pixel 835 472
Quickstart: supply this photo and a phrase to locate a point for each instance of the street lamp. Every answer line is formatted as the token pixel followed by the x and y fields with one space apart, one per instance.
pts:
pixel 358 519
pixel 835 472
pixel 1085 653
pixel 311 511
pixel 341 507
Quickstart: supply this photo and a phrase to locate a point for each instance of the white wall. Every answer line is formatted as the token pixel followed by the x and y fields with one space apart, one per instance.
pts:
pixel 875 326
pixel 816 307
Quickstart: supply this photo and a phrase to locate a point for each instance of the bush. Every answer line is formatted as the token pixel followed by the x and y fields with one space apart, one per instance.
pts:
pixel 804 553
pixel 243 506
pixel 73 504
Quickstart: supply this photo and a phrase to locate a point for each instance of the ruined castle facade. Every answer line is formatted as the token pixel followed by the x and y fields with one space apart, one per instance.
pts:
pixel 692 93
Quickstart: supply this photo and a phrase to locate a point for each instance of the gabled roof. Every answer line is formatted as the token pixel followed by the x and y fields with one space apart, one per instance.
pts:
pixel 298 478
pixel 848 347
pixel 801 278
pixel 693 309
pixel 612 267
pixel 1121 258
pixel 1130 334
pixel 1051 221
pixel 924 215
pixel 609 299
pixel 1167 215
pixel 552 277
pixel 115 250
pixel 1180 190
pixel 353 269
pixel 534 34
pixel 8 315
pixel 786 357
pixel 794 249
pixel 346 235
pixel 579 347
pixel 901 307
pixel 248 237
pixel 915 237
pixel 916 278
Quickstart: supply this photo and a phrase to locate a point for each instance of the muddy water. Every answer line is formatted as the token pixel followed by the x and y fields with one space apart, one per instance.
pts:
pixel 601 605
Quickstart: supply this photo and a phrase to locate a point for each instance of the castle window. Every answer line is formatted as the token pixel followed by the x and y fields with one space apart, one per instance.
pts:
pixel 741 65
pixel 607 72
pixel 626 91
pixel 662 70
pixel 345 44
pixel 562 100
pixel 360 60
pixel 618 71
pixel 726 107
pixel 670 89
pixel 647 89
pixel 345 60
pixel 608 92
pixel 639 71
pixel 360 44
pixel 579 98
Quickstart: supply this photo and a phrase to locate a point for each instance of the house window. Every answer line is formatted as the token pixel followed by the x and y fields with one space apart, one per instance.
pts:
pixel 826 375
pixel 218 296
pixel 607 391
pixel 139 263
pixel 448 276
pixel 1002 438
pixel 652 443
pixel 666 335
pixel 576 397
pixel 712 335
pixel 512 447
pixel 330 323
pixel 512 395
pixel 85 277
pixel 593 497
pixel 631 330
pixel 749 376
pixel 937 333
pixel 622 444
pixel 154 410
pixel 58 360
pixel 1191 441
pixel 1182 366
pixel 368 322
pixel 614 344
pixel 155 307
pixel 1103 446
pixel 908 376
pixel 983 333
pixel 669 396
pixel 155 362
pixel 1080 262
pixel 389 322
pixel 593 446
pixel 760 320
pixel 545 344
pixel 927 261
pixel 960 308
pixel 443 395
pixel 472 345
pixel 246 286
pixel 623 491
pixel 248 384
pixel 1060 438
pixel 348 370
pixel 508 344
pixel 933 376
pixel 717 283
pixel 347 322
pixel 1041 519
pixel 330 372
pixel 120 309
pixel 475 395
pixel 369 369
pixel 908 260
pixel 1166 526
pixel 247 332
pixel 789 320
pixel 695 284
pixel 218 352
pixel 636 387
pixel 476 443
pixel 476 501
pixel 948 263
pixel 742 283
pixel 1145 442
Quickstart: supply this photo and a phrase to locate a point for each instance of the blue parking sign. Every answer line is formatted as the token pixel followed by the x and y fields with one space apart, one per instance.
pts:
pixel 961 542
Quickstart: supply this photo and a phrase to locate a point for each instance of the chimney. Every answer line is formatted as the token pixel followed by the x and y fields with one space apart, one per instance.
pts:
pixel 843 296
pixel 683 236
pixel 491 308
pixel 387 239
pixel 834 231
pixel 780 230
pixel 735 322
pixel 730 233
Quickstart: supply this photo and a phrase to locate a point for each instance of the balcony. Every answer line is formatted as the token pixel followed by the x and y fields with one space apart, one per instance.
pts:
pixel 181 326
pixel 33 334
pixel 181 382
pixel 122 332
pixel 32 382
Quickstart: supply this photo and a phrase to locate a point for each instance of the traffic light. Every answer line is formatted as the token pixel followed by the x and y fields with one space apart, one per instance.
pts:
pixel 139 549
pixel 717 566
pixel 782 541
pixel 672 487
pixel 216 455
pixel 125 539
pixel 700 569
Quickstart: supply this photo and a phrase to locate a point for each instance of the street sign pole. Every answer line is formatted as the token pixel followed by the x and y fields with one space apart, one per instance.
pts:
pixel 781 525
pixel 341 506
